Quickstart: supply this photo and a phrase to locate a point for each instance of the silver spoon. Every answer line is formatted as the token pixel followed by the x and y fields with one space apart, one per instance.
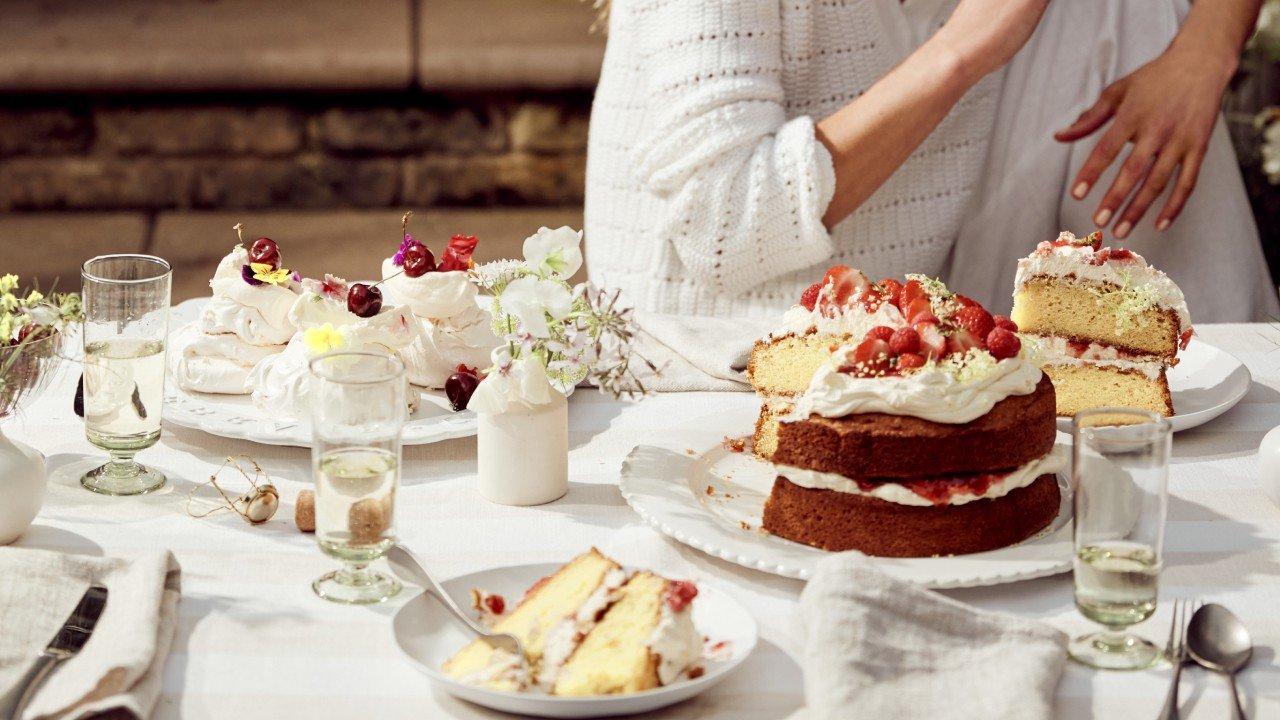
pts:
pixel 410 569
pixel 1219 641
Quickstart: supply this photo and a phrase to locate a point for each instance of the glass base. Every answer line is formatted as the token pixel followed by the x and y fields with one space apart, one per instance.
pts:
pixel 123 477
pixel 1114 651
pixel 356 586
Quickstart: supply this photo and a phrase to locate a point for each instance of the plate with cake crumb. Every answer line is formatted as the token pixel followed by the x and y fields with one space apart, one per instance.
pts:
pixel 599 639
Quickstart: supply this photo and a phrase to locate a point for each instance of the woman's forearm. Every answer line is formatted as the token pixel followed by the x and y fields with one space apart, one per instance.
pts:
pixel 872 136
pixel 1219 28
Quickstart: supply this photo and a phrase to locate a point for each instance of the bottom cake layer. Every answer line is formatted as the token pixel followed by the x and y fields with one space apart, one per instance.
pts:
pixel 842 521
pixel 1081 386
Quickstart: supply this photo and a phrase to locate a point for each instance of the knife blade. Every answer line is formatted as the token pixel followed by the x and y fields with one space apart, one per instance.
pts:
pixel 69 640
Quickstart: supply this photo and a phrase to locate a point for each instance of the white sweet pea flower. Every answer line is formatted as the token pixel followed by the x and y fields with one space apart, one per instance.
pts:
pixel 518 382
pixel 556 252
pixel 532 299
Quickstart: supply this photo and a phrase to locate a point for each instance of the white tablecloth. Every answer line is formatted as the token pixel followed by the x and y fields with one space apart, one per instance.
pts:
pixel 253 642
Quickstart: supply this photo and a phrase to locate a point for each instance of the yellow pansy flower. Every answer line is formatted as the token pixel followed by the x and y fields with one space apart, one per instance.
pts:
pixel 264 273
pixel 323 338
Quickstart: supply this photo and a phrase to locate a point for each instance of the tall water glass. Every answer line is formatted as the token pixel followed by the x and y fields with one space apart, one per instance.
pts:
pixel 126 320
pixel 357 413
pixel 1120 474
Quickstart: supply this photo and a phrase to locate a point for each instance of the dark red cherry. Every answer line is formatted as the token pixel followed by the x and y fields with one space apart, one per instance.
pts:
pixel 364 300
pixel 265 250
pixel 418 260
pixel 459 388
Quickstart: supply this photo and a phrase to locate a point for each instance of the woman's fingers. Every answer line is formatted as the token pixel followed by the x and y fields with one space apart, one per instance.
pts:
pixel 1135 168
pixel 1104 153
pixel 1090 120
pixel 1152 186
pixel 1182 188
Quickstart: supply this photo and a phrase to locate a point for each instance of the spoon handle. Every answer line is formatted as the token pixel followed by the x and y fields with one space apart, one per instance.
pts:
pixel 1238 710
pixel 411 564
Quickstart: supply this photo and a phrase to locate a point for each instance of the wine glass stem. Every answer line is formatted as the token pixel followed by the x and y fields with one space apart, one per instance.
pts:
pixel 355 574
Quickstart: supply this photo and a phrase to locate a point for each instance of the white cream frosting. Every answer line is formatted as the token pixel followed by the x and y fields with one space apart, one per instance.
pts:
pixel 935 392
pixel 257 314
pixel 853 320
pixel 565 636
pixel 394 327
pixel 464 339
pixel 1058 351
pixel 430 295
pixel 1075 261
pixel 1054 462
pixel 676 642
pixel 219 364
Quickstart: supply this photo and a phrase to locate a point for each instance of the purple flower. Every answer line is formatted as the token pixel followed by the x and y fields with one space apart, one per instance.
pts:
pixel 246 272
pixel 297 276
pixel 398 258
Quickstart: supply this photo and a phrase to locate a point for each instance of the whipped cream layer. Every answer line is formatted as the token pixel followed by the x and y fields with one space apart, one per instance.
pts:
pixel 257 314
pixel 1084 263
pixel 394 327
pixel 892 492
pixel 565 636
pixel 676 642
pixel 465 338
pixel 434 295
pixel 1060 351
pixel 934 392
pixel 853 320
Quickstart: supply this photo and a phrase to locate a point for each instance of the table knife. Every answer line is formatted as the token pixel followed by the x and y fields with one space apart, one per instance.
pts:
pixel 71 637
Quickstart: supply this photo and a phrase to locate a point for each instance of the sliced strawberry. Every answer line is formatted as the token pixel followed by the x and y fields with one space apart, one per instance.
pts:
pixel 871 349
pixel 1184 339
pixel 890 288
pixel 912 290
pixel 962 341
pixel 1003 344
pixel 910 361
pixel 870 299
pixel 1003 321
pixel 844 281
pixel 809 297
pixel 966 301
pixel 904 340
pixel 932 342
pixel 975 319
pixel 880 332
pixel 869 359
pixel 917 308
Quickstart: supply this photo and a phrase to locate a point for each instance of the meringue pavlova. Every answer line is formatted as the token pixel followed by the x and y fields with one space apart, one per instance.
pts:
pixel 327 321
pixel 443 298
pixel 245 322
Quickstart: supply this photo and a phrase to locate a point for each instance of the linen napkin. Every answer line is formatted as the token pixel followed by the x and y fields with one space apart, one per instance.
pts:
pixel 880 647
pixel 121 665
pixel 698 353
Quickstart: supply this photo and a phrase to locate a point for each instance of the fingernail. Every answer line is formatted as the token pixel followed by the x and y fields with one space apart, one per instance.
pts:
pixel 1080 190
pixel 1102 217
pixel 1122 230
pixel 1163 224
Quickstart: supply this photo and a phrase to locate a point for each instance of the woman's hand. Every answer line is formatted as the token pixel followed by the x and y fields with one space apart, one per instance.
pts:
pixel 1166 109
pixel 986 34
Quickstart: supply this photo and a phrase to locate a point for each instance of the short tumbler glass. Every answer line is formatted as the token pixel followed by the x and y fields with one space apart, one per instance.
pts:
pixel 358 410
pixel 1120 477
pixel 126 321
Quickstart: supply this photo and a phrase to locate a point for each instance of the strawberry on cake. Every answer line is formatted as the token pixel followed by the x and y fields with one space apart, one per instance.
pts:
pixel 934 438
pixel 455 330
pixel 1108 325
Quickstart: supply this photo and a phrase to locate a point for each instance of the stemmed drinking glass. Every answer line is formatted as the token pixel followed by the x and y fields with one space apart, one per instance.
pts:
pixel 357 413
pixel 126 320
pixel 1120 477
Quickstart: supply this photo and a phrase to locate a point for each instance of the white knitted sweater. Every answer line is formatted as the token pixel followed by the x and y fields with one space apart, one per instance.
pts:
pixel 705 184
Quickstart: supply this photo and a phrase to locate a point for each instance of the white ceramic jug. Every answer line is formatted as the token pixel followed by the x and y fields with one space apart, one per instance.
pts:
pixel 22 484
pixel 1269 464
pixel 523 453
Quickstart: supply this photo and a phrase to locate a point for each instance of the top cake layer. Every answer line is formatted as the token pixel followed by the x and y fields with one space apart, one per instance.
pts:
pixel 1077 289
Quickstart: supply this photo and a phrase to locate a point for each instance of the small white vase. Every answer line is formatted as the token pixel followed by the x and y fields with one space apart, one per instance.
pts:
pixel 523 453
pixel 22 484
pixel 1269 464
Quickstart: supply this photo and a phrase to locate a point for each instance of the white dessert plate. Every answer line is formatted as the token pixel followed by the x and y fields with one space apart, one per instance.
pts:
pixel 1205 383
pixel 427 635
pixel 668 488
pixel 234 416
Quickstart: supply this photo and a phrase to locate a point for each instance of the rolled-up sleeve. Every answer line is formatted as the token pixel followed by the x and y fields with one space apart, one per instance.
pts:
pixel 746 187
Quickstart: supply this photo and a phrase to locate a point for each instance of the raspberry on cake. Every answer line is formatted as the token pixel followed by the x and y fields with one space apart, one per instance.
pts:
pixel 589 629
pixel 1108 325
pixel 936 445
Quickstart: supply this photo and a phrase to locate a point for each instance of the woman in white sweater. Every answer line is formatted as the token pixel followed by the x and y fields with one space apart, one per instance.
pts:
pixel 738 147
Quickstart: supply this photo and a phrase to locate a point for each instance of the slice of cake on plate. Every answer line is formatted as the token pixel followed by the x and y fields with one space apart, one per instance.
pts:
pixel 840 307
pixel 588 629
pixel 934 439
pixel 455 330
pixel 245 322
pixel 1108 325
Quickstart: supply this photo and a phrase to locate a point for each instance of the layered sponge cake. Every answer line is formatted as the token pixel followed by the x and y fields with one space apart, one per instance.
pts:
pixel 1107 324
pixel 932 439
pixel 588 629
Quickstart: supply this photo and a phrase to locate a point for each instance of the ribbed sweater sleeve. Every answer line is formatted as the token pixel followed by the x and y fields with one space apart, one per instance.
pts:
pixel 747 188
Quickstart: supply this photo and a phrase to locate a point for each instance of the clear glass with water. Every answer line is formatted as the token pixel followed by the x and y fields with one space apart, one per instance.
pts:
pixel 1120 478
pixel 126 306
pixel 358 409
